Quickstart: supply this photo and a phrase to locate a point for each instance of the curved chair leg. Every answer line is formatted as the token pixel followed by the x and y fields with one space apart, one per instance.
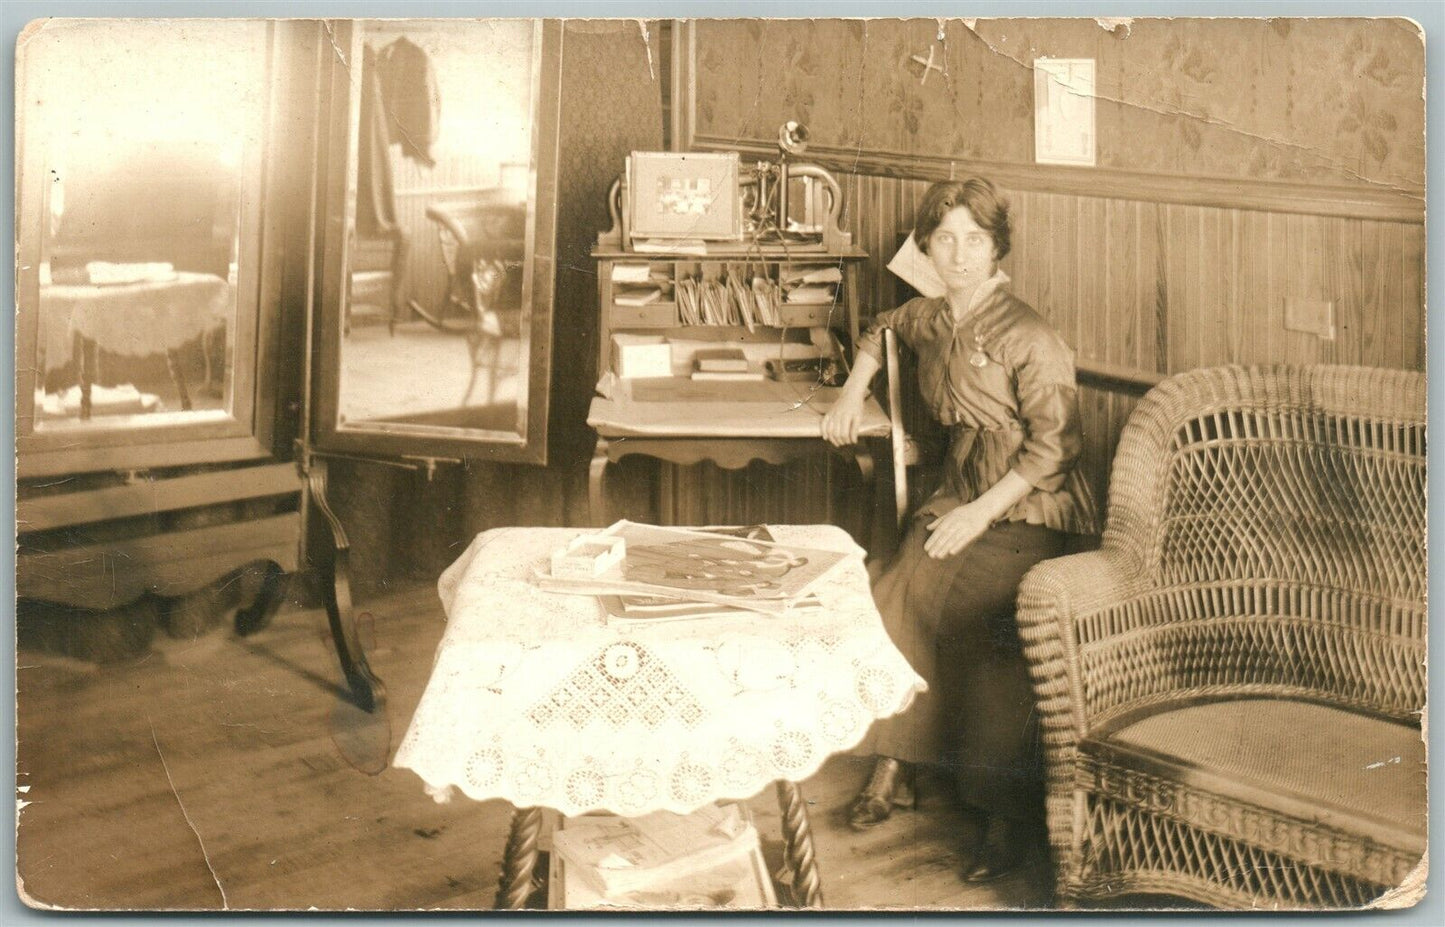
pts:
pixel 519 862
pixel 800 861
pixel 366 690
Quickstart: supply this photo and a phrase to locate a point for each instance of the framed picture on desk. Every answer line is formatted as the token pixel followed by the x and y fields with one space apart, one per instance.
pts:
pixel 684 195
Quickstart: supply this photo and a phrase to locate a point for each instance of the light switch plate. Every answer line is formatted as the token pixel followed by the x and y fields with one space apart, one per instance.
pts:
pixel 1310 316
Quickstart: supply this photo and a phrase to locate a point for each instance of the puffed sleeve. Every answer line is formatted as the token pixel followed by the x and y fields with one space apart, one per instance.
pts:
pixel 871 341
pixel 1048 410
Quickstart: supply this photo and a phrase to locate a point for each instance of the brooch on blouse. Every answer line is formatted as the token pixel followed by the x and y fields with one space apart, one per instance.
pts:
pixel 978 358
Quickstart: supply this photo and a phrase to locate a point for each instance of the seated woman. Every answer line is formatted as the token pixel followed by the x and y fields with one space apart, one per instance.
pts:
pixel 1002 381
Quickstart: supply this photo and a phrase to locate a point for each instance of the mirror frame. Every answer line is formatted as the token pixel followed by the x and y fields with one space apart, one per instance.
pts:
pixel 248 433
pixel 337 206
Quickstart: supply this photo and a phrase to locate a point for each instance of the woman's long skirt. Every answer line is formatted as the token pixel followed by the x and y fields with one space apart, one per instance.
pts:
pixel 953 620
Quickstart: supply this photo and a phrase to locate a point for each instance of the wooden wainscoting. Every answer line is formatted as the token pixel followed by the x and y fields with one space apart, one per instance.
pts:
pixel 1141 290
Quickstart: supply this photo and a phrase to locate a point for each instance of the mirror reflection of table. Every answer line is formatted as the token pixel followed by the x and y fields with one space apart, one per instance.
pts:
pixel 131 319
pixel 536 699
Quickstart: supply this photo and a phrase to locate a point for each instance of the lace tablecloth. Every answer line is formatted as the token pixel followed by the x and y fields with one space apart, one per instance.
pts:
pixel 535 699
pixel 135 319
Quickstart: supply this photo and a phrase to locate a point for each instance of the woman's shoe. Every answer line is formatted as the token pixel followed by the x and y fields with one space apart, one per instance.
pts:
pixel 890 786
pixel 1003 849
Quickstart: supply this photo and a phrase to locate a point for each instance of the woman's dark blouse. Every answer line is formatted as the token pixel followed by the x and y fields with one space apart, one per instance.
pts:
pixel 1017 412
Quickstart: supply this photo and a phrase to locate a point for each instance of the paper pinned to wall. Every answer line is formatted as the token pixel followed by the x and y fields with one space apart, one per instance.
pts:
pixel 1064 111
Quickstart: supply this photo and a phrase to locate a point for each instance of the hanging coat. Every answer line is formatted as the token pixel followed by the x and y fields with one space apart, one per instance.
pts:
pixel 412 102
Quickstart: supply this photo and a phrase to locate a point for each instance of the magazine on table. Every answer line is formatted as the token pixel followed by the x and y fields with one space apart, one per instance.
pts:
pixel 720 568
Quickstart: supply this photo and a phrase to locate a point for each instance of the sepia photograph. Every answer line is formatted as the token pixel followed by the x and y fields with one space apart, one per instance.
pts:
pixel 720 463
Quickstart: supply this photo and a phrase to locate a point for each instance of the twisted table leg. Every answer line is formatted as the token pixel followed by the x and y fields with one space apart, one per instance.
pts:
pixel 520 859
pixel 799 857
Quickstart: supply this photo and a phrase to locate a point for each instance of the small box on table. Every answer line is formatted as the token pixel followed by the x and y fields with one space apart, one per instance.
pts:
pixel 588 556
pixel 636 357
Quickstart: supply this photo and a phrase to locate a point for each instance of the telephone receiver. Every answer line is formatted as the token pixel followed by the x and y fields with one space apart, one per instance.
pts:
pixel 766 190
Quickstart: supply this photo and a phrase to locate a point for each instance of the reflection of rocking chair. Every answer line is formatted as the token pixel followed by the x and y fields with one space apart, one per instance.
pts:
pixel 490 281
pixel 483 246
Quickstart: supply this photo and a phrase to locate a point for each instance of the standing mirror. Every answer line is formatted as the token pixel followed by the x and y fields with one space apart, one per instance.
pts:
pixel 433 334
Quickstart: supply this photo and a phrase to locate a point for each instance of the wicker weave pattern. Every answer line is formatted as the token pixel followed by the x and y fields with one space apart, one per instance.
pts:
pixel 1265 538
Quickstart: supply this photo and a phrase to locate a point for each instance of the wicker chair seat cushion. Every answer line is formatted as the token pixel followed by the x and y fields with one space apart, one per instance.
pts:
pixel 1301 761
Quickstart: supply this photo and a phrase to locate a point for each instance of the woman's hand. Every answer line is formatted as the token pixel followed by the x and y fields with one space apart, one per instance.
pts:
pixel 957 529
pixel 841 424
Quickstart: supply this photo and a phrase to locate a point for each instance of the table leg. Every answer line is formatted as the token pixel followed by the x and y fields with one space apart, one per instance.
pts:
pixel 799 858
pixel 83 375
pixel 178 377
pixel 872 475
pixel 596 484
pixel 519 862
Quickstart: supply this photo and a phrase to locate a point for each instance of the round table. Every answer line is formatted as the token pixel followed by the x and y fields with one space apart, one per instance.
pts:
pixel 133 319
pixel 536 699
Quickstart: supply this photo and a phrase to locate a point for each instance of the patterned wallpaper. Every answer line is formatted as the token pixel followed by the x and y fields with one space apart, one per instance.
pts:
pixel 1308 100
pixel 612 80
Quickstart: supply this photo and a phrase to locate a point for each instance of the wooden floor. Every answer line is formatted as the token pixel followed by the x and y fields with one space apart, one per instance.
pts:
pixel 229 773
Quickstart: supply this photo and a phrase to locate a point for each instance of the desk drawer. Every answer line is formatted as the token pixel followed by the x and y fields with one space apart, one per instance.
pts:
pixel 655 315
pixel 812 316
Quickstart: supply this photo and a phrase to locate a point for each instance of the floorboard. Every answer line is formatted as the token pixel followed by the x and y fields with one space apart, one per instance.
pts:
pixel 215 774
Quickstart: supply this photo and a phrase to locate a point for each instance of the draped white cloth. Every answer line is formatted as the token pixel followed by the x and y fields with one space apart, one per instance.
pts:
pixel 535 699
pixel 134 319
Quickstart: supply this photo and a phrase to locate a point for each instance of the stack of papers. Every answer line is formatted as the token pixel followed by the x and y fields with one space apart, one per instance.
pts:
pixel 812 286
pixel 741 569
pixel 638 284
pixel 700 859
pixel 706 859
pixel 638 610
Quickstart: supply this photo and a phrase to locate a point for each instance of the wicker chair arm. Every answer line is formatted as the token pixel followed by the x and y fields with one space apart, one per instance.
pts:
pixel 1053 598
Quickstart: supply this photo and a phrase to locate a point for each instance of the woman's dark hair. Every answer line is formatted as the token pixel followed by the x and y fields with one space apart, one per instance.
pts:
pixel 988 207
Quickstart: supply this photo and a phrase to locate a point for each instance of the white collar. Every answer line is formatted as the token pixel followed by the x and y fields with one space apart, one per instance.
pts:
pixel 986 288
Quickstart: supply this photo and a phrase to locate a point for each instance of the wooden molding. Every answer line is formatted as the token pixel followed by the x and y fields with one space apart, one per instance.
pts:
pixel 1117 379
pixel 1385 204
pixel 1374 202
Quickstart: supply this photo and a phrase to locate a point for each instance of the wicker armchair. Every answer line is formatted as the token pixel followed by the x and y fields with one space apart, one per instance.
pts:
pixel 1230 689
